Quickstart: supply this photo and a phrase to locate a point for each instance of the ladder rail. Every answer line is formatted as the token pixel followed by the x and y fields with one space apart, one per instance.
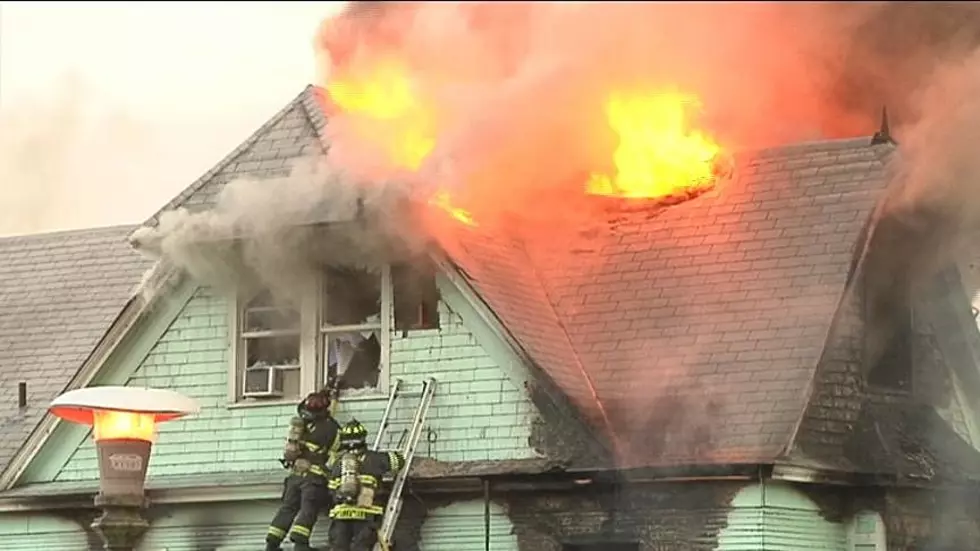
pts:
pixel 394 505
pixel 386 416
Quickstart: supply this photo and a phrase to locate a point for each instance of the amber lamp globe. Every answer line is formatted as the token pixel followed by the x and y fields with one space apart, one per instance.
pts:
pixel 123 421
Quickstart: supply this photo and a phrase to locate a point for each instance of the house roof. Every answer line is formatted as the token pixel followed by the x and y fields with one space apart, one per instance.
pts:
pixel 294 132
pixel 59 294
pixel 693 331
pixel 690 332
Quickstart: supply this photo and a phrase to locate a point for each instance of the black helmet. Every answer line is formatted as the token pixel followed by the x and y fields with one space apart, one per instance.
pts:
pixel 353 435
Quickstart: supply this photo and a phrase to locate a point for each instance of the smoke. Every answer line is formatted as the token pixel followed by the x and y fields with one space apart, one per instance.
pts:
pixel 277 233
pixel 513 94
pixel 50 144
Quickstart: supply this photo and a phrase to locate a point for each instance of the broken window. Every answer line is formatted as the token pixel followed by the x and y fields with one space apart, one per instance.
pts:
pixel 887 297
pixel 416 297
pixel 350 328
pixel 270 344
pixel 892 368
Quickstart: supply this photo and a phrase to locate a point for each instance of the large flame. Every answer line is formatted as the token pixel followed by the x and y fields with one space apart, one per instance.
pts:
pixel 657 155
pixel 385 94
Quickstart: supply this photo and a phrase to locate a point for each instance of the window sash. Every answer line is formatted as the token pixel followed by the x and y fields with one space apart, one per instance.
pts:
pixel 357 328
pixel 270 334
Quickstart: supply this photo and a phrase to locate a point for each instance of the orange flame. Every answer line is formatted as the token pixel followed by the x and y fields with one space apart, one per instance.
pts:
pixel 657 155
pixel 386 94
pixel 442 200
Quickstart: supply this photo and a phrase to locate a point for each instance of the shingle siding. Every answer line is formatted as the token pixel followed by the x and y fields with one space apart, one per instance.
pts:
pixel 478 413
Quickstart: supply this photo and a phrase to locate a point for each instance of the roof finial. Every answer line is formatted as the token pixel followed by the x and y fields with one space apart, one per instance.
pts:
pixel 883 135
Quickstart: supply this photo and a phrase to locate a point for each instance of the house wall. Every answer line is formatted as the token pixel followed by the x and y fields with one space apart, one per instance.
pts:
pixel 779 517
pixel 461 526
pixel 682 516
pixel 47 532
pixel 480 412
pixel 931 520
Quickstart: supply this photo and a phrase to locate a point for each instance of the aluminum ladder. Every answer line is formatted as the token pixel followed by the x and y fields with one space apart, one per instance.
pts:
pixel 394 507
pixel 386 417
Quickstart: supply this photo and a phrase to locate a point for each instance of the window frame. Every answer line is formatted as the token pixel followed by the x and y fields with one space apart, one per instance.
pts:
pixel 904 327
pixel 312 345
pixel 383 327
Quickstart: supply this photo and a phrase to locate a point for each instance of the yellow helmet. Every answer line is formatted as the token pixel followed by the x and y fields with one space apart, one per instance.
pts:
pixel 353 435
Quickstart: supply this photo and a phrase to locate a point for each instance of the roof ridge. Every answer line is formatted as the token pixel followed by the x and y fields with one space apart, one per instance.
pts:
pixel 823 145
pixel 207 176
pixel 75 231
pixel 312 101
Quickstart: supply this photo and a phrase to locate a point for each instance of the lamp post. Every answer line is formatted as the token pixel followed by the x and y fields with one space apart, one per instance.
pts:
pixel 123 421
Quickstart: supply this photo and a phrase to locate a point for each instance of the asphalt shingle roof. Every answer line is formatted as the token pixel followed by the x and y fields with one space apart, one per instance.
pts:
pixel 695 328
pixel 59 294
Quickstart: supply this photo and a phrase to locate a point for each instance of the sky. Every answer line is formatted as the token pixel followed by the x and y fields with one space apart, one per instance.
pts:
pixel 109 109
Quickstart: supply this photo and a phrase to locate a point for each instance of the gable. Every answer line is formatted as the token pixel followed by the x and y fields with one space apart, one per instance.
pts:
pixel 481 412
pixel 291 134
pixel 873 394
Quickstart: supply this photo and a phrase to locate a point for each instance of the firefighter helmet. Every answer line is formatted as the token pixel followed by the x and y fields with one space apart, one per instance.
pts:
pixel 353 435
pixel 315 406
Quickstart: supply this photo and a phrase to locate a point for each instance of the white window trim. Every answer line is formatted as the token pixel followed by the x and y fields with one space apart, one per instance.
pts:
pixel 312 369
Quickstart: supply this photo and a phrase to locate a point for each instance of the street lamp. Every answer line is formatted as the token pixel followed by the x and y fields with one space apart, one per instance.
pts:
pixel 123 421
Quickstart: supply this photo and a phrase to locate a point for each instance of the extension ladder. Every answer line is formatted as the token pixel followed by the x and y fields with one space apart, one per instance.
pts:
pixel 387 414
pixel 394 507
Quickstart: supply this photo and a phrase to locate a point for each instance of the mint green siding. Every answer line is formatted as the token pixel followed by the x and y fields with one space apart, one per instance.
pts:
pixel 777 517
pixel 228 527
pixel 241 527
pixel 36 532
pixel 461 527
pixel 479 412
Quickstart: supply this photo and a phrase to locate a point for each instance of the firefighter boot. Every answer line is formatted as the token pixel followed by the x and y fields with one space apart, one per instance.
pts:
pixel 303 546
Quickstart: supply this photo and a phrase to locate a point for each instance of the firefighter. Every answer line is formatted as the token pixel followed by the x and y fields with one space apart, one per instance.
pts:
pixel 309 454
pixel 356 516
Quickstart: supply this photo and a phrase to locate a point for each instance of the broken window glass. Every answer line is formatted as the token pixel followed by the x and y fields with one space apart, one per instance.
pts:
pixel 351 297
pixel 416 297
pixel 353 358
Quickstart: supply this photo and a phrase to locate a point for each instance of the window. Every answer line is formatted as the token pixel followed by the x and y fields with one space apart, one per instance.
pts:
pixel 888 311
pixel 339 335
pixel 892 353
pixel 351 327
pixel 416 297
pixel 269 349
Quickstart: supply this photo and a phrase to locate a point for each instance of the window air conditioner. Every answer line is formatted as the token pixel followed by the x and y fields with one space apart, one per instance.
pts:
pixel 264 381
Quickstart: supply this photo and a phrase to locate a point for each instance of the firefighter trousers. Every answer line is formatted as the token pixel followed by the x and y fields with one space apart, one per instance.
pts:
pixel 291 499
pixel 314 498
pixel 354 535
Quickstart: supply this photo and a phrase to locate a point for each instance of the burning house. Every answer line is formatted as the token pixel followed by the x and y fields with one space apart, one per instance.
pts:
pixel 715 373
pixel 706 348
